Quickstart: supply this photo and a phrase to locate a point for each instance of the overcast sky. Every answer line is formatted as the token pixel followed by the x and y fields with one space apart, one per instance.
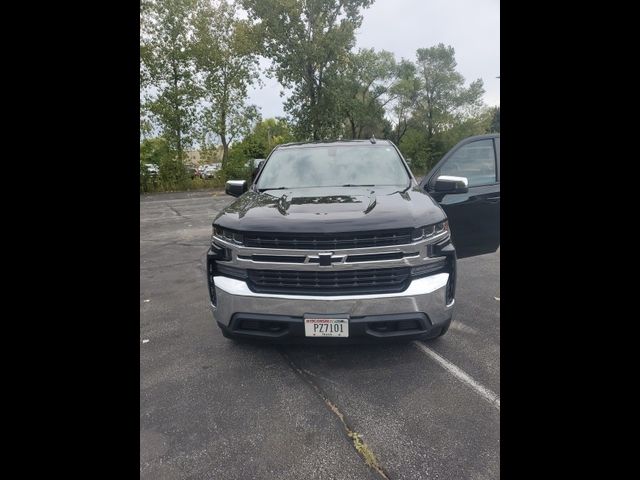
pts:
pixel 471 27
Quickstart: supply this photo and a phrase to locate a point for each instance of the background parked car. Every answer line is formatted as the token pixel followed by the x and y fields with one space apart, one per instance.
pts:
pixel 209 171
pixel 192 171
pixel 153 170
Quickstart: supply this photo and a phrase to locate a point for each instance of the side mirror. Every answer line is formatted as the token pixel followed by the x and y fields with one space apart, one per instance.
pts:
pixel 254 174
pixel 451 184
pixel 235 188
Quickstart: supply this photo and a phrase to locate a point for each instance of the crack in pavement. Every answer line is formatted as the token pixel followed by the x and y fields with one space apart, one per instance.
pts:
pixel 318 376
pixel 363 450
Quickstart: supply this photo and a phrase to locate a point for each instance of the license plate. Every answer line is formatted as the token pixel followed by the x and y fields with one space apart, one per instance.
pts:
pixel 326 327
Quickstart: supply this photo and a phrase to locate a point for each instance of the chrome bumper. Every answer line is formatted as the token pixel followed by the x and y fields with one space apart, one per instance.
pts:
pixel 426 295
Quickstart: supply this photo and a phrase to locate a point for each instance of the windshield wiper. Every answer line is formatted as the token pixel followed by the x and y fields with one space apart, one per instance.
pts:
pixel 355 185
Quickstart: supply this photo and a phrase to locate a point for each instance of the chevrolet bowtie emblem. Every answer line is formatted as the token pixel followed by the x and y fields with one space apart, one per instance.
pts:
pixel 325 259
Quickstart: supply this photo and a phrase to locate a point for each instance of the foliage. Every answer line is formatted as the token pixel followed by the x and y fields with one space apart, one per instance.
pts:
pixel 198 59
pixel 476 125
pixel 147 181
pixel 434 104
pixel 415 146
pixel 236 168
pixel 494 127
pixel 257 144
pixel 225 54
pixel 154 150
pixel 309 43
pixel 263 138
pixel 404 93
pixel 425 152
pixel 366 84
pixel 443 99
pixel 168 68
pixel 172 175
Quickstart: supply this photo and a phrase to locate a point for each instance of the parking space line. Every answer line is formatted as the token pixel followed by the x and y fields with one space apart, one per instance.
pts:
pixel 483 391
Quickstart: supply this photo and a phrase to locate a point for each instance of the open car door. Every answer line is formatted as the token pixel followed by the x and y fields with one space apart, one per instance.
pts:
pixel 466 183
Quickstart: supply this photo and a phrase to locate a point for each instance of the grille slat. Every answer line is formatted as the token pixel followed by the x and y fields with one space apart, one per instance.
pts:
pixel 329 241
pixel 339 282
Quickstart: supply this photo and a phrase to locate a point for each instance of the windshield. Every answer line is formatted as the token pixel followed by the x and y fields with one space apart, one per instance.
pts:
pixel 333 166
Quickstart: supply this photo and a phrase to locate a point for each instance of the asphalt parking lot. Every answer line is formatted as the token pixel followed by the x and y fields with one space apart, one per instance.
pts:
pixel 214 409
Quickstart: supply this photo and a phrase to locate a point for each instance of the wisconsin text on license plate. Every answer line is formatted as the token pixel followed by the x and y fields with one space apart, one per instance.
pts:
pixel 326 327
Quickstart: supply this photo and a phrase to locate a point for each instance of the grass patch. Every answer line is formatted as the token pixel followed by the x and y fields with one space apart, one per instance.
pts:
pixel 366 453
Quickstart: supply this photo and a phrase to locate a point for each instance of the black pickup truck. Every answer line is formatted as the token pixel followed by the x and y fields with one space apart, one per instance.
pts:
pixel 337 241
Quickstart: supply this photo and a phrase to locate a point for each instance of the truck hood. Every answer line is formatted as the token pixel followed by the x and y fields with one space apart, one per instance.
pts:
pixel 330 210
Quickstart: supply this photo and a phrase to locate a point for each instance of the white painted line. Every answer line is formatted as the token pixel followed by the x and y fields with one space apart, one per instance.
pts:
pixel 483 391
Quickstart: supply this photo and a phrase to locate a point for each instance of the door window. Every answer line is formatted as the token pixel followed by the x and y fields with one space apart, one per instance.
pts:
pixel 476 161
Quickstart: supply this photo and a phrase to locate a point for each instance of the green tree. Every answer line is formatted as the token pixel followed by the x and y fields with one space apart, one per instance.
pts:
pixel 444 101
pixel 494 127
pixel 475 125
pixel 414 146
pixel 167 68
pixel 225 54
pixel 271 132
pixel 404 94
pixel 154 151
pixel 366 83
pixel 146 127
pixel 309 43
pixel 263 138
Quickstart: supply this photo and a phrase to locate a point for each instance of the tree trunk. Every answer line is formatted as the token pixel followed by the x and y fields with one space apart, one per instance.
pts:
pixel 179 142
pixel 430 125
pixel 225 149
pixel 177 112
pixel 223 119
pixel 400 135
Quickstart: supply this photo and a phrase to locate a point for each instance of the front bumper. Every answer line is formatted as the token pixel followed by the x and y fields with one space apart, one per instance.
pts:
pixel 421 311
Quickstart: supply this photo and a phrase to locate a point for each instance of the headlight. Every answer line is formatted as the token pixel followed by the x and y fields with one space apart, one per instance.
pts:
pixel 227 235
pixel 431 231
